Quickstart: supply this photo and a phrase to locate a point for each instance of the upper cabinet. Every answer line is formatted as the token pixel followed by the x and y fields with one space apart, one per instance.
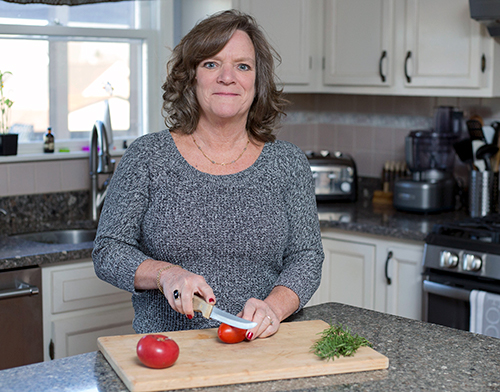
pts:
pixel 383 47
pixel 442 45
pixel 287 24
pixel 359 38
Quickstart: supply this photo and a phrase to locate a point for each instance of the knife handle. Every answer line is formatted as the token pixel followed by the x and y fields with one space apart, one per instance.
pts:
pixel 199 305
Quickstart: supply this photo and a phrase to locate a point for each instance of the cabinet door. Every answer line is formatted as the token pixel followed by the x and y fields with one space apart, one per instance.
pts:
pixel 287 25
pixel 403 295
pixel 348 274
pixel 359 42
pixel 78 335
pixel 442 45
pixel 76 286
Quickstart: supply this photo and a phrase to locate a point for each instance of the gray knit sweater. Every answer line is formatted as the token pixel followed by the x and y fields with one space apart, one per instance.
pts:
pixel 245 233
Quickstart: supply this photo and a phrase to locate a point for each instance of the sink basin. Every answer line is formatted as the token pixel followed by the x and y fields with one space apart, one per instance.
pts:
pixel 60 236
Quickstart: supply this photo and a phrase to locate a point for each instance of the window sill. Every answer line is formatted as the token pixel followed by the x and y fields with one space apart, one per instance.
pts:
pixel 52 157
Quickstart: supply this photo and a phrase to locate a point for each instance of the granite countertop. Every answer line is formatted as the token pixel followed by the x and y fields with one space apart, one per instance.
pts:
pixel 365 217
pixel 361 217
pixel 422 356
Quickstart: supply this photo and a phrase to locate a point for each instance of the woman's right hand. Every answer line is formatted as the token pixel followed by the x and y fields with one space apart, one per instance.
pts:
pixel 186 284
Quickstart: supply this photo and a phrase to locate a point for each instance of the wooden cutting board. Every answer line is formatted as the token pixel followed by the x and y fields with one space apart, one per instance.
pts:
pixel 205 361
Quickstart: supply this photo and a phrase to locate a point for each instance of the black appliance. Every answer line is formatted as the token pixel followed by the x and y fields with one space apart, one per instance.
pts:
pixel 460 257
pixel 486 12
pixel 335 176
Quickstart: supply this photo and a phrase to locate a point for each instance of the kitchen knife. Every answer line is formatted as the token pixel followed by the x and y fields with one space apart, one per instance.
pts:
pixel 210 311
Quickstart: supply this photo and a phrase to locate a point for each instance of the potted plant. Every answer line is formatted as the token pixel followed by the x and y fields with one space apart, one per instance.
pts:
pixel 8 141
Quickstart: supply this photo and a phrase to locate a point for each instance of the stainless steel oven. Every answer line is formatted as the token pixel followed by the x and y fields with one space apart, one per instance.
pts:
pixel 21 327
pixel 460 257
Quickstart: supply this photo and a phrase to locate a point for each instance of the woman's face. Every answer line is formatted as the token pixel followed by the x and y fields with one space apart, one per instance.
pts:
pixel 225 83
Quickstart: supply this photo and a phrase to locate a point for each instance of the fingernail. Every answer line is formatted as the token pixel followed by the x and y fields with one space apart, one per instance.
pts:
pixel 189 316
pixel 211 300
pixel 249 335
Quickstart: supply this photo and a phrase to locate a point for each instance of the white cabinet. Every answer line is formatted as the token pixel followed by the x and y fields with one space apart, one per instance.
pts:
pixel 432 47
pixel 442 45
pixel 383 47
pixel 78 307
pixel 371 272
pixel 348 274
pixel 288 25
pixel 359 45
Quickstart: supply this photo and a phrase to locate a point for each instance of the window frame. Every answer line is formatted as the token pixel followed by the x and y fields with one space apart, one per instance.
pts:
pixel 157 39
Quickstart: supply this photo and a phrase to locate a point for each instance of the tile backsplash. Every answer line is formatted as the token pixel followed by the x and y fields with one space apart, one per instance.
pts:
pixel 370 128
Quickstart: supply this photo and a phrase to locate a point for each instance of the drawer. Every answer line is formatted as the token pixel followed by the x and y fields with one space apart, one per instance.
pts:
pixel 75 286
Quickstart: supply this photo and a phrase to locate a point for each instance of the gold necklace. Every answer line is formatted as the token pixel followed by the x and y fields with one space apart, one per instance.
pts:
pixel 223 163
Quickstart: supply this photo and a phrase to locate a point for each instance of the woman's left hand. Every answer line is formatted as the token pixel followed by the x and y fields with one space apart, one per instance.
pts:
pixel 260 312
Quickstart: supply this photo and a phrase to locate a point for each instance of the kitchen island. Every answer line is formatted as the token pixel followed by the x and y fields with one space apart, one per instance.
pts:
pixel 422 356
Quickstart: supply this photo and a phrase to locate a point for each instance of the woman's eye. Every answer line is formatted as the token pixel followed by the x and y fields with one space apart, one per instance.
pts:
pixel 244 67
pixel 209 64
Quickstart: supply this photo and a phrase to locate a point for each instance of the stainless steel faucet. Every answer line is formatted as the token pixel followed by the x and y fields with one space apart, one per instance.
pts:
pixel 100 163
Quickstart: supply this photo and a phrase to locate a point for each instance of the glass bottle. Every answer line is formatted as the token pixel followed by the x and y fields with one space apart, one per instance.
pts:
pixel 48 141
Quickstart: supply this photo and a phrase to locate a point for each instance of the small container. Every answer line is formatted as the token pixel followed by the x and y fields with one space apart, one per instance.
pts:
pixel 483 193
pixel 48 141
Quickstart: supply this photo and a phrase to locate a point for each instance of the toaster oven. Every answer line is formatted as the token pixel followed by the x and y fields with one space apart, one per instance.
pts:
pixel 335 176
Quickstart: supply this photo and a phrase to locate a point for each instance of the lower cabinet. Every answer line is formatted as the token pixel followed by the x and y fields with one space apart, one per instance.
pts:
pixel 371 272
pixel 78 308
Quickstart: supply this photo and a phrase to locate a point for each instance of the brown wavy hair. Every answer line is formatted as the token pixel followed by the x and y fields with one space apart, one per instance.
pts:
pixel 180 106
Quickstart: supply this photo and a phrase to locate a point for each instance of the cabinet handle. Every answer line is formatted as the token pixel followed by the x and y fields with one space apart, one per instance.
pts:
pixel 408 56
pixel 51 350
pixel 483 63
pixel 382 57
pixel 389 256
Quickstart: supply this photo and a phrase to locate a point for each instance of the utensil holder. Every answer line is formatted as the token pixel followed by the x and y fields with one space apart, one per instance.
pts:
pixel 483 193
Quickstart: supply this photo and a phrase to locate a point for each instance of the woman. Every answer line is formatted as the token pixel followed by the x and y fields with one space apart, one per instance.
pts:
pixel 214 206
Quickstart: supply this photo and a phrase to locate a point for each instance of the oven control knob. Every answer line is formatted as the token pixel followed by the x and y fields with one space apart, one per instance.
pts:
pixel 448 259
pixel 472 262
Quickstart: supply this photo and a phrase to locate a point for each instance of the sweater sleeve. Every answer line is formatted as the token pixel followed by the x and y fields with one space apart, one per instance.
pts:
pixel 117 252
pixel 303 257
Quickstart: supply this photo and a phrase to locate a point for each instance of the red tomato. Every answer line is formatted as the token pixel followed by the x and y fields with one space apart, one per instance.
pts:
pixel 157 351
pixel 230 334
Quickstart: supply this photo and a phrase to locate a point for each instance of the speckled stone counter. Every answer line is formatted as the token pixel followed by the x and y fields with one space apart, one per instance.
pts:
pixel 362 217
pixel 422 357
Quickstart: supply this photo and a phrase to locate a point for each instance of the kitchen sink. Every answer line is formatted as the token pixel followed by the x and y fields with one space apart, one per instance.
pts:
pixel 76 236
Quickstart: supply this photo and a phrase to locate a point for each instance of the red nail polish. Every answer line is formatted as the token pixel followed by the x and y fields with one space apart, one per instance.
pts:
pixel 189 316
pixel 211 300
pixel 249 335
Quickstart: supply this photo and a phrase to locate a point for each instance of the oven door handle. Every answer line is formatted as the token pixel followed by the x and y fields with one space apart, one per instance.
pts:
pixel 446 291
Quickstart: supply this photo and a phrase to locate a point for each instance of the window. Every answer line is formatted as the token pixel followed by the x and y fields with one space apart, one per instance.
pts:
pixel 69 63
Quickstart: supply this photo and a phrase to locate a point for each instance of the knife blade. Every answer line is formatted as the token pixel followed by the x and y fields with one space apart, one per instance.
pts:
pixel 210 311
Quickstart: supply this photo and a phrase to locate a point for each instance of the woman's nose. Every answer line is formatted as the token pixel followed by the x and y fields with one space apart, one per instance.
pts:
pixel 226 75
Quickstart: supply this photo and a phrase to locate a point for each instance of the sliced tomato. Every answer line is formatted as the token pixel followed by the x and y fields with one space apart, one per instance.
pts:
pixel 229 334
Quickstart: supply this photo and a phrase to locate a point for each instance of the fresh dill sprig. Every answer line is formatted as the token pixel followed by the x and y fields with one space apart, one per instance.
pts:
pixel 336 341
